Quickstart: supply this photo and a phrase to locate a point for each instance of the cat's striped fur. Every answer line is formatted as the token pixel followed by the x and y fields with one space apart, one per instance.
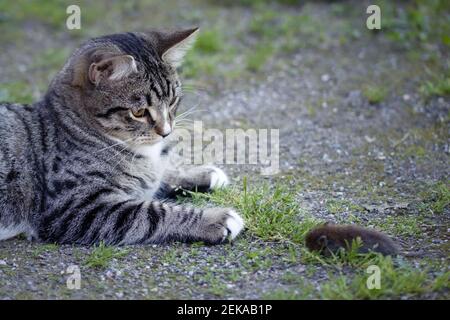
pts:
pixel 86 164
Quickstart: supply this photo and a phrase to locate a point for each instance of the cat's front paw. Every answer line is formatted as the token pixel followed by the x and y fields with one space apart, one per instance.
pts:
pixel 219 178
pixel 221 224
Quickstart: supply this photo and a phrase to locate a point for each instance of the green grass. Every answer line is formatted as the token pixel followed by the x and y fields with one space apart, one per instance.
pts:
pixel 398 278
pixel 264 23
pixel 417 23
pixel 208 53
pixel 336 206
pixel 303 290
pixel 436 198
pixel 102 255
pixel 272 214
pixel 259 259
pixel 209 41
pixel 256 60
pixel 44 248
pixel 52 12
pixel 400 225
pixel 396 281
pixel 253 3
pixel 438 87
pixel 170 256
pixel 416 151
pixel 16 91
pixel 374 94
pixel 51 59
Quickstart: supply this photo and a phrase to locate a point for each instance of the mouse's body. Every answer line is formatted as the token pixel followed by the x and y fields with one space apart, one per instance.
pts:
pixel 329 238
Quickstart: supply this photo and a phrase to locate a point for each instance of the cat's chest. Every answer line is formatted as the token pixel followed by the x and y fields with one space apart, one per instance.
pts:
pixel 148 166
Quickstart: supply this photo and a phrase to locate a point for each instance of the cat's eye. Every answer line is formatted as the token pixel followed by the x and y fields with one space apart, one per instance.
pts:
pixel 138 113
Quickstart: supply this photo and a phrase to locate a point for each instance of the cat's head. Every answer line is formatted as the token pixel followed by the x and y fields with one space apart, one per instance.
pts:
pixel 127 84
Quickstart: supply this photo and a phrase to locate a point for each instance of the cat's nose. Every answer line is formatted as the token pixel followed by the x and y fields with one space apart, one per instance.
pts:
pixel 164 131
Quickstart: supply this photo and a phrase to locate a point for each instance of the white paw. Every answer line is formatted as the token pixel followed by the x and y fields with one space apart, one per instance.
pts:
pixel 218 178
pixel 234 224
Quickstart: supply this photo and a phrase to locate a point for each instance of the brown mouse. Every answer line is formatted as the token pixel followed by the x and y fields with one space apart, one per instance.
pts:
pixel 329 238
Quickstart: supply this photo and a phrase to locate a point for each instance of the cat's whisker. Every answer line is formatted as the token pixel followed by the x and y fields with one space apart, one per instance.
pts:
pixel 194 93
pixel 192 109
pixel 184 120
pixel 116 144
pixel 193 86
pixel 125 154
pixel 185 128
pixel 188 113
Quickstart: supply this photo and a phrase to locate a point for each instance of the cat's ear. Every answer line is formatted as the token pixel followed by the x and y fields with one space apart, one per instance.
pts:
pixel 172 46
pixel 112 68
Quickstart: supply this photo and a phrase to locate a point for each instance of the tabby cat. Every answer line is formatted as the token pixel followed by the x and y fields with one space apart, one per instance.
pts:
pixel 89 162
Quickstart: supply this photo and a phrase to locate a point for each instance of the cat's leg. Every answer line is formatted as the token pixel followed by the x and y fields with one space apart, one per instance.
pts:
pixel 211 225
pixel 196 178
pixel 132 222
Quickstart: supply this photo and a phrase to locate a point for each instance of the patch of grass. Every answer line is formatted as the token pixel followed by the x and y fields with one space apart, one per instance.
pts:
pixel 209 41
pixel 264 23
pixel 51 12
pixel 436 198
pixel 259 259
pixel 215 284
pixel 415 151
pixel 208 55
pixel 17 91
pixel 255 61
pixel 196 65
pixel 44 248
pixel 170 256
pixel 336 206
pixel 396 281
pixel 400 225
pixel 252 3
pixel 102 255
pixel 398 278
pixel 302 291
pixel 440 87
pixel 374 94
pixel 51 59
pixel 417 22
pixel 272 214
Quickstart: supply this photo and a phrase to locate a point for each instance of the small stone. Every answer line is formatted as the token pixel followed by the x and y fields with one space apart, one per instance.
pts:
pixel 370 139
pixel 325 77
pixel 109 274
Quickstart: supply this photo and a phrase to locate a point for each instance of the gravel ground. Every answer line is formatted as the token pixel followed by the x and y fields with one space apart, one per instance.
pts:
pixel 333 143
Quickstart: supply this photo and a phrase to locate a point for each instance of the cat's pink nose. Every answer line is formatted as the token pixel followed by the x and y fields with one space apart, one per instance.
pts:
pixel 164 131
